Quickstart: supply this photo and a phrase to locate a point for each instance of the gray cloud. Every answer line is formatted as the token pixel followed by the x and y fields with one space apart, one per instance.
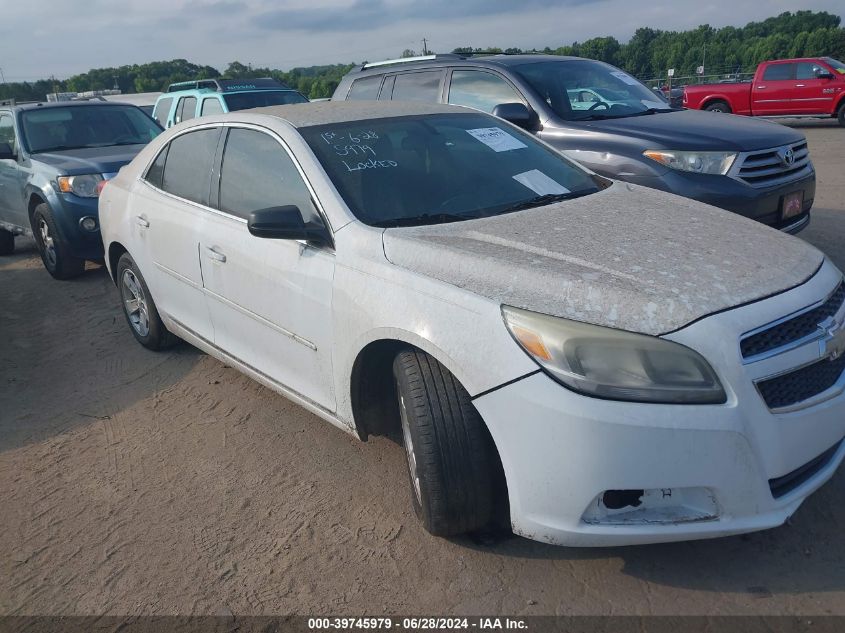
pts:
pixel 371 14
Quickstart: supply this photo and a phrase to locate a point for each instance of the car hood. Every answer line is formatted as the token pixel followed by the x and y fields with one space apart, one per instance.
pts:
pixel 89 160
pixel 628 257
pixel 694 129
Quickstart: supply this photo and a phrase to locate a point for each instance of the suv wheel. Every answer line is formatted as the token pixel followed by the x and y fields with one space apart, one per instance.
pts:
pixel 58 262
pixel 139 308
pixel 452 461
pixel 7 242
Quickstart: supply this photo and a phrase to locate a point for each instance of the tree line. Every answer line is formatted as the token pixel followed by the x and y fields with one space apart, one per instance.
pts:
pixel 647 55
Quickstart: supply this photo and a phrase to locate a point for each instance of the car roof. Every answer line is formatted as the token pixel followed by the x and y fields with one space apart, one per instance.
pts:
pixel 67 104
pixel 325 112
pixel 487 61
pixel 208 92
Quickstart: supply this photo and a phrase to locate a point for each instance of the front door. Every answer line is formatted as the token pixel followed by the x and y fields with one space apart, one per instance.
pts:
pixel 809 95
pixel 270 300
pixel 12 177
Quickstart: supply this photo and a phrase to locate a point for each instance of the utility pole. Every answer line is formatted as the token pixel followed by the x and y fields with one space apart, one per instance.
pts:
pixel 2 76
pixel 425 47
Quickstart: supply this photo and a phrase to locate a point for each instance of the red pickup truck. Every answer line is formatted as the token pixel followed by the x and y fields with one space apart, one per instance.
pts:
pixel 807 87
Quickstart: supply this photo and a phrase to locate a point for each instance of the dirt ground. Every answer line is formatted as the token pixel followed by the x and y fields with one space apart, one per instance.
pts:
pixel 140 483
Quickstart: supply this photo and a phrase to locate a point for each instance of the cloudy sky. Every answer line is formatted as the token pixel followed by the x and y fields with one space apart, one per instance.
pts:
pixel 39 38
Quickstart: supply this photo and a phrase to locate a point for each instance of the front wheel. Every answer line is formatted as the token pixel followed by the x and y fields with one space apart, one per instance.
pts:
pixel 139 308
pixel 452 461
pixel 841 115
pixel 54 252
pixel 718 106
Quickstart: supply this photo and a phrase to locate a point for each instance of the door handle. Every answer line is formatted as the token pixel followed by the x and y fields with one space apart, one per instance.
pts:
pixel 760 87
pixel 212 254
pixel 142 222
pixel 799 85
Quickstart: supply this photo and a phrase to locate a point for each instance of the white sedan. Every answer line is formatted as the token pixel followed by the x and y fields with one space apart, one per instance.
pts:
pixel 595 362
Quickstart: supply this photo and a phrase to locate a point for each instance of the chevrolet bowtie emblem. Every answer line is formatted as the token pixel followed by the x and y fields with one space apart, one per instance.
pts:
pixel 832 346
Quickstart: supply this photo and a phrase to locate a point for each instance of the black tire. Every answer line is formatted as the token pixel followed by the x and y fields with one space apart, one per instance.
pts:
pixel 840 116
pixel 7 242
pixel 144 321
pixel 718 106
pixel 54 252
pixel 451 454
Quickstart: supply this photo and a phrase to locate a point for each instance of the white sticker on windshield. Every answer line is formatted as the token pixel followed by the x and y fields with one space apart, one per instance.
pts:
pixel 497 139
pixel 540 183
pixel 625 77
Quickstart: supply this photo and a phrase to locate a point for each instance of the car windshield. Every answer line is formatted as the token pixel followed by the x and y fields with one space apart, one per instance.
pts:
pixel 246 100
pixel 835 64
pixel 76 127
pixel 414 170
pixel 580 89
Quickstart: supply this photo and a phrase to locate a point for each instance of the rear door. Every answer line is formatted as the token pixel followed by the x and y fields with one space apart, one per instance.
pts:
pixel 772 93
pixel 167 217
pixel 12 178
pixel 270 300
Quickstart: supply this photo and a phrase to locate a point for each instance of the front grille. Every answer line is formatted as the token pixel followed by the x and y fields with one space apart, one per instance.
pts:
pixel 801 384
pixel 793 329
pixel 784 485
pixel 766 168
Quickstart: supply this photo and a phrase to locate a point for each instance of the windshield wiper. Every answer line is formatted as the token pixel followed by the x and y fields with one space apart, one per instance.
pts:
pixel 59 148
pixel 543 200
pixel 424 218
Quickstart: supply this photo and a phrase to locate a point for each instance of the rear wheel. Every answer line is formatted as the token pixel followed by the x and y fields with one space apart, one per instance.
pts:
pixel 139 308
pixel 718 106
pixel 54 253
pixel 7 242
pixel 452 461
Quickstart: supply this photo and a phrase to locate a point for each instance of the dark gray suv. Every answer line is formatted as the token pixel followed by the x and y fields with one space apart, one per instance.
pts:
pixel 608 121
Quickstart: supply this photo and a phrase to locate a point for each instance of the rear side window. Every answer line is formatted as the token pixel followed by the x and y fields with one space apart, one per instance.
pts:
pixel 211 105
pixel 187 170
pixel 257 173
pixel 481 90
pixel 155 173
pixel 777 72
pixel 7 131
pixel 162 111
pixel 365 88
pixel 424 86
pixel 186 109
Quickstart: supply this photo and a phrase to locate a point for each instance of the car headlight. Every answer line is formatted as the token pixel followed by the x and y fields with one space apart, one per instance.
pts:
pixel 696 162
pixel 614 364
pixel 85 186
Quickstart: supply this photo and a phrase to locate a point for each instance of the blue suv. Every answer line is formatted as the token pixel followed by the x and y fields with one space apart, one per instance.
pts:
pixel 189 99
pixel 55 159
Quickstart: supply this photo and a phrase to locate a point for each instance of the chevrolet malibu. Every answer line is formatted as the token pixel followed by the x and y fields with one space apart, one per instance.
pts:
pixel 601 363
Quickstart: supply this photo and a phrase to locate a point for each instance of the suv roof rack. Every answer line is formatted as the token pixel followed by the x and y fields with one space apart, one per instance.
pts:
pixel 405 60
pixel 229 85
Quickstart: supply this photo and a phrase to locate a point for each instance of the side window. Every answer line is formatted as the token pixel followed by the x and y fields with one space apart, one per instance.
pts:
pixel 481 90
pixel 257 173
pixel 386 93
pixel 211 105
pixel 155 174
pixel 187 167
pixel 186 109
pixel 423 86
pixel 778 72
pixel 162 110
pixel 7 131
pixel 365 88
pixel 807 70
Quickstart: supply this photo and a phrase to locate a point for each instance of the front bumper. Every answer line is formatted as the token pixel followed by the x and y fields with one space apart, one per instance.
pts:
pixel 761 204
pixel 733 468
pixel 80 243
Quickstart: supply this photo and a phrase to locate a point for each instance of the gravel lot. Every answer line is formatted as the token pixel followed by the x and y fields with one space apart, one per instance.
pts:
pixel 141 483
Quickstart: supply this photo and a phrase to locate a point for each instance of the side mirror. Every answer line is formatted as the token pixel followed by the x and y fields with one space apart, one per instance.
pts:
pixel 6 152
pixel 518 114
pixel 824 74
pixel 286 223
